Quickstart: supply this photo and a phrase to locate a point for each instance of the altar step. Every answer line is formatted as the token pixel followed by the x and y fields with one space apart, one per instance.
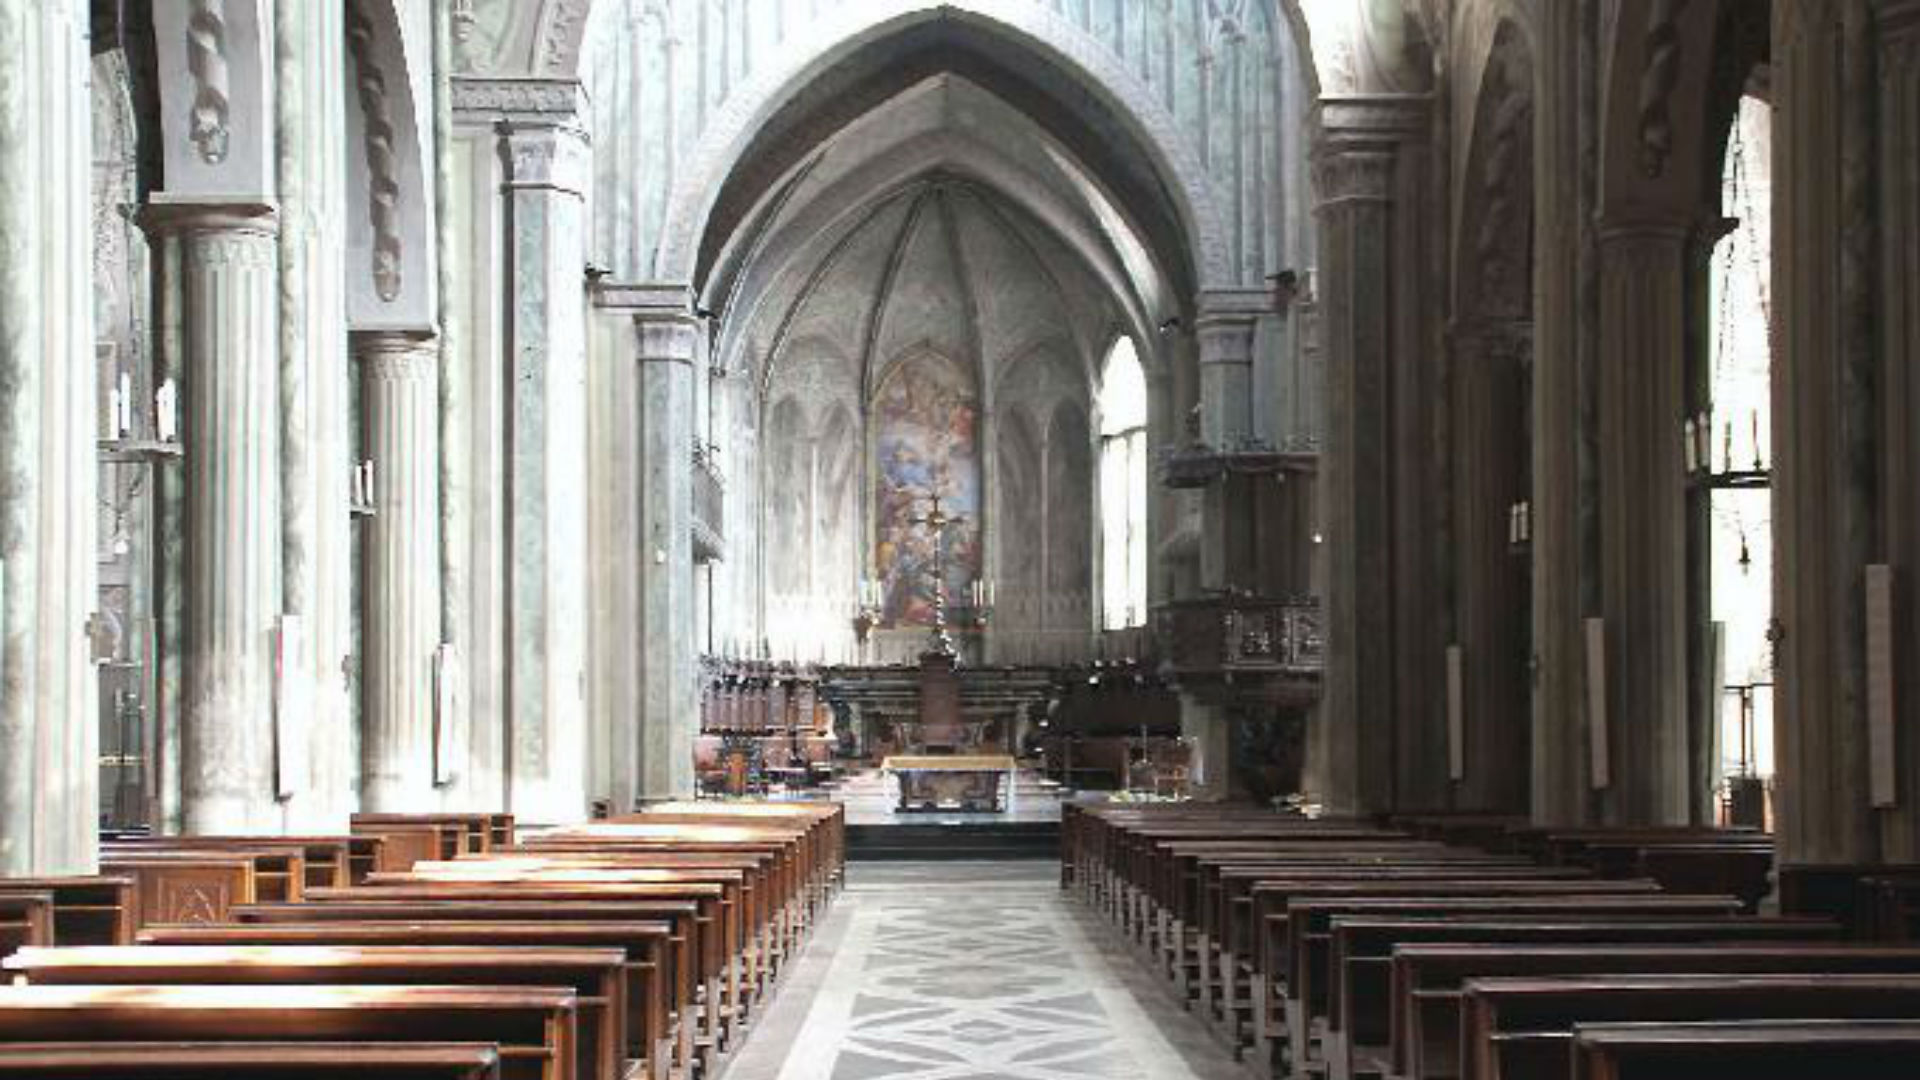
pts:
pixel 950 841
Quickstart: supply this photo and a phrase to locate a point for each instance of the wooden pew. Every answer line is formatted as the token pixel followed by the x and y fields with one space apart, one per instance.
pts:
pixel 598 977
pixel 468 833
pixel 534 1026
pixel 639 942
pixel 1302 955
pixel 172 888
pixel 330 861
pixel 26 919
pixel 1435 976
pixel 404 843
pixel 1748 1049
pixel 1522 1029
pixel 1371 997
pixel 716 988
pixel 91 1060
pixel 86 910
pixel 660 992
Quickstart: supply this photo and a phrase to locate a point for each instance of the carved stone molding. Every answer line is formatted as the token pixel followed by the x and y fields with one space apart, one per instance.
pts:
pixel 209 127
pixel 1660 71
pixel 396 355
pixel 383 163
pixel 559 36
pixel 519 100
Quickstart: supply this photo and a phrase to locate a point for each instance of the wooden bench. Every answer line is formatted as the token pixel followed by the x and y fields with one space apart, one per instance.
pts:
pixel 1522 1029
pixel 1369 997
pixel 330 861
pixel 1749 1049
pixel 599 977
pixel 640 943
pixel 172 888
pixel 26 918
pixel 91 1060
pixel 86 910
pixel 474 833
pixel 533 1026
pixel 661 991
pixel 1434 977
pixel 1297 972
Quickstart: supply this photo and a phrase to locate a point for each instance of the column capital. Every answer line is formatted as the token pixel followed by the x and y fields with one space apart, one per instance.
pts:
pixel 548 154
pixel 164 214
pixel 666 328
pixel 396 352
pixel 1225 324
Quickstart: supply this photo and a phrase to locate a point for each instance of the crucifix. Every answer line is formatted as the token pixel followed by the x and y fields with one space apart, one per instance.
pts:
pixel 937 521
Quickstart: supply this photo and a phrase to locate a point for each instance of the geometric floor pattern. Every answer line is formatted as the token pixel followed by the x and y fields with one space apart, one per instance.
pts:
pixel 972 971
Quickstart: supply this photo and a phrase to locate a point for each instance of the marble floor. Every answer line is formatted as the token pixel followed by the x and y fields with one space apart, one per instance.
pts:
pixel 971 971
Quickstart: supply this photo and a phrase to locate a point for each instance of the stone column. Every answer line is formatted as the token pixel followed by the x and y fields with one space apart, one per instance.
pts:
pixel 49 768
pixel 399 380
pixel 1357 171
pixel 548 606
pixel 1210 728
pixel 1644 522
pixel 1562 500
pixel 229 287
pixel 1824 441
pixel 668 352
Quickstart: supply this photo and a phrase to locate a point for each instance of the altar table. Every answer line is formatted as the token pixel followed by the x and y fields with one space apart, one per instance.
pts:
pixel 953 782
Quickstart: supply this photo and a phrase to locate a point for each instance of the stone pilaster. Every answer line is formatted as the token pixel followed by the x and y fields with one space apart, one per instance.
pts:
pixel 399 380
pixel 1489 441
pixel 1358 167
pixel 1643 510
pixel 548 608
pixel 1898 27
pixel 316 453
pixel 229 330
pixel 49 768
pixel 669 352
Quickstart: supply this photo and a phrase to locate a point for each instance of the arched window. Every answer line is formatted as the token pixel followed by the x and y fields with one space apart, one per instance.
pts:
pixel 1123 488
pixel 1739 450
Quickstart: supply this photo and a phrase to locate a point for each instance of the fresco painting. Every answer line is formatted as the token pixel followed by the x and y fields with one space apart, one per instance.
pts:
pixel 928 424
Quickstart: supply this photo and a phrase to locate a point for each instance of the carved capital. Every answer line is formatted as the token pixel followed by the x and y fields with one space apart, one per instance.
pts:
pixel 548 155
pixel 396 355
pixel 163 215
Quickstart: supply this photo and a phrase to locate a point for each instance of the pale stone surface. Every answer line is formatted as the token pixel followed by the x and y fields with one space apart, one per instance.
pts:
pixel 229 284
pixel 399 380
pixel 49 775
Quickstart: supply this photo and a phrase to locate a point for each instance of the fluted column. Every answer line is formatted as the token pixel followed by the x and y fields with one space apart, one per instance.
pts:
pixel 1644 523
pixel 49 768
pixel 399 381
pixel 229 328
pixel 1359 178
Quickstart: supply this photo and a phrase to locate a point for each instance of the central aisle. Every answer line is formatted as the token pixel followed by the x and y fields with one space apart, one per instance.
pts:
pixel 971 971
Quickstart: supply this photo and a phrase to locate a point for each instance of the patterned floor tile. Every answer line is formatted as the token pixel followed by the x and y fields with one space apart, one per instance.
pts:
pixel 958 971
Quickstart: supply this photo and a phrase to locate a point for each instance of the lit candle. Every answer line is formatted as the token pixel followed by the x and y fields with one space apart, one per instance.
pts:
pixel 113 412
pixel 1727 447
pixel 1757 464
pixel 123 407
pixel 1693 456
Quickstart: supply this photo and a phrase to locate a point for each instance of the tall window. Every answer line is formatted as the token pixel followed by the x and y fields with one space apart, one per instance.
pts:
pixel 1123 488
pixel 1742 453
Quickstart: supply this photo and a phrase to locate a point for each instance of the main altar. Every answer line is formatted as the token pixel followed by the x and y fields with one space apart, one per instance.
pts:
pixel 964 782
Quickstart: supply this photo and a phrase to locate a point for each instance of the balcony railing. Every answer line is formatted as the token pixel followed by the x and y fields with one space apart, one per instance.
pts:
pixel 1230 634
pixel 709 507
